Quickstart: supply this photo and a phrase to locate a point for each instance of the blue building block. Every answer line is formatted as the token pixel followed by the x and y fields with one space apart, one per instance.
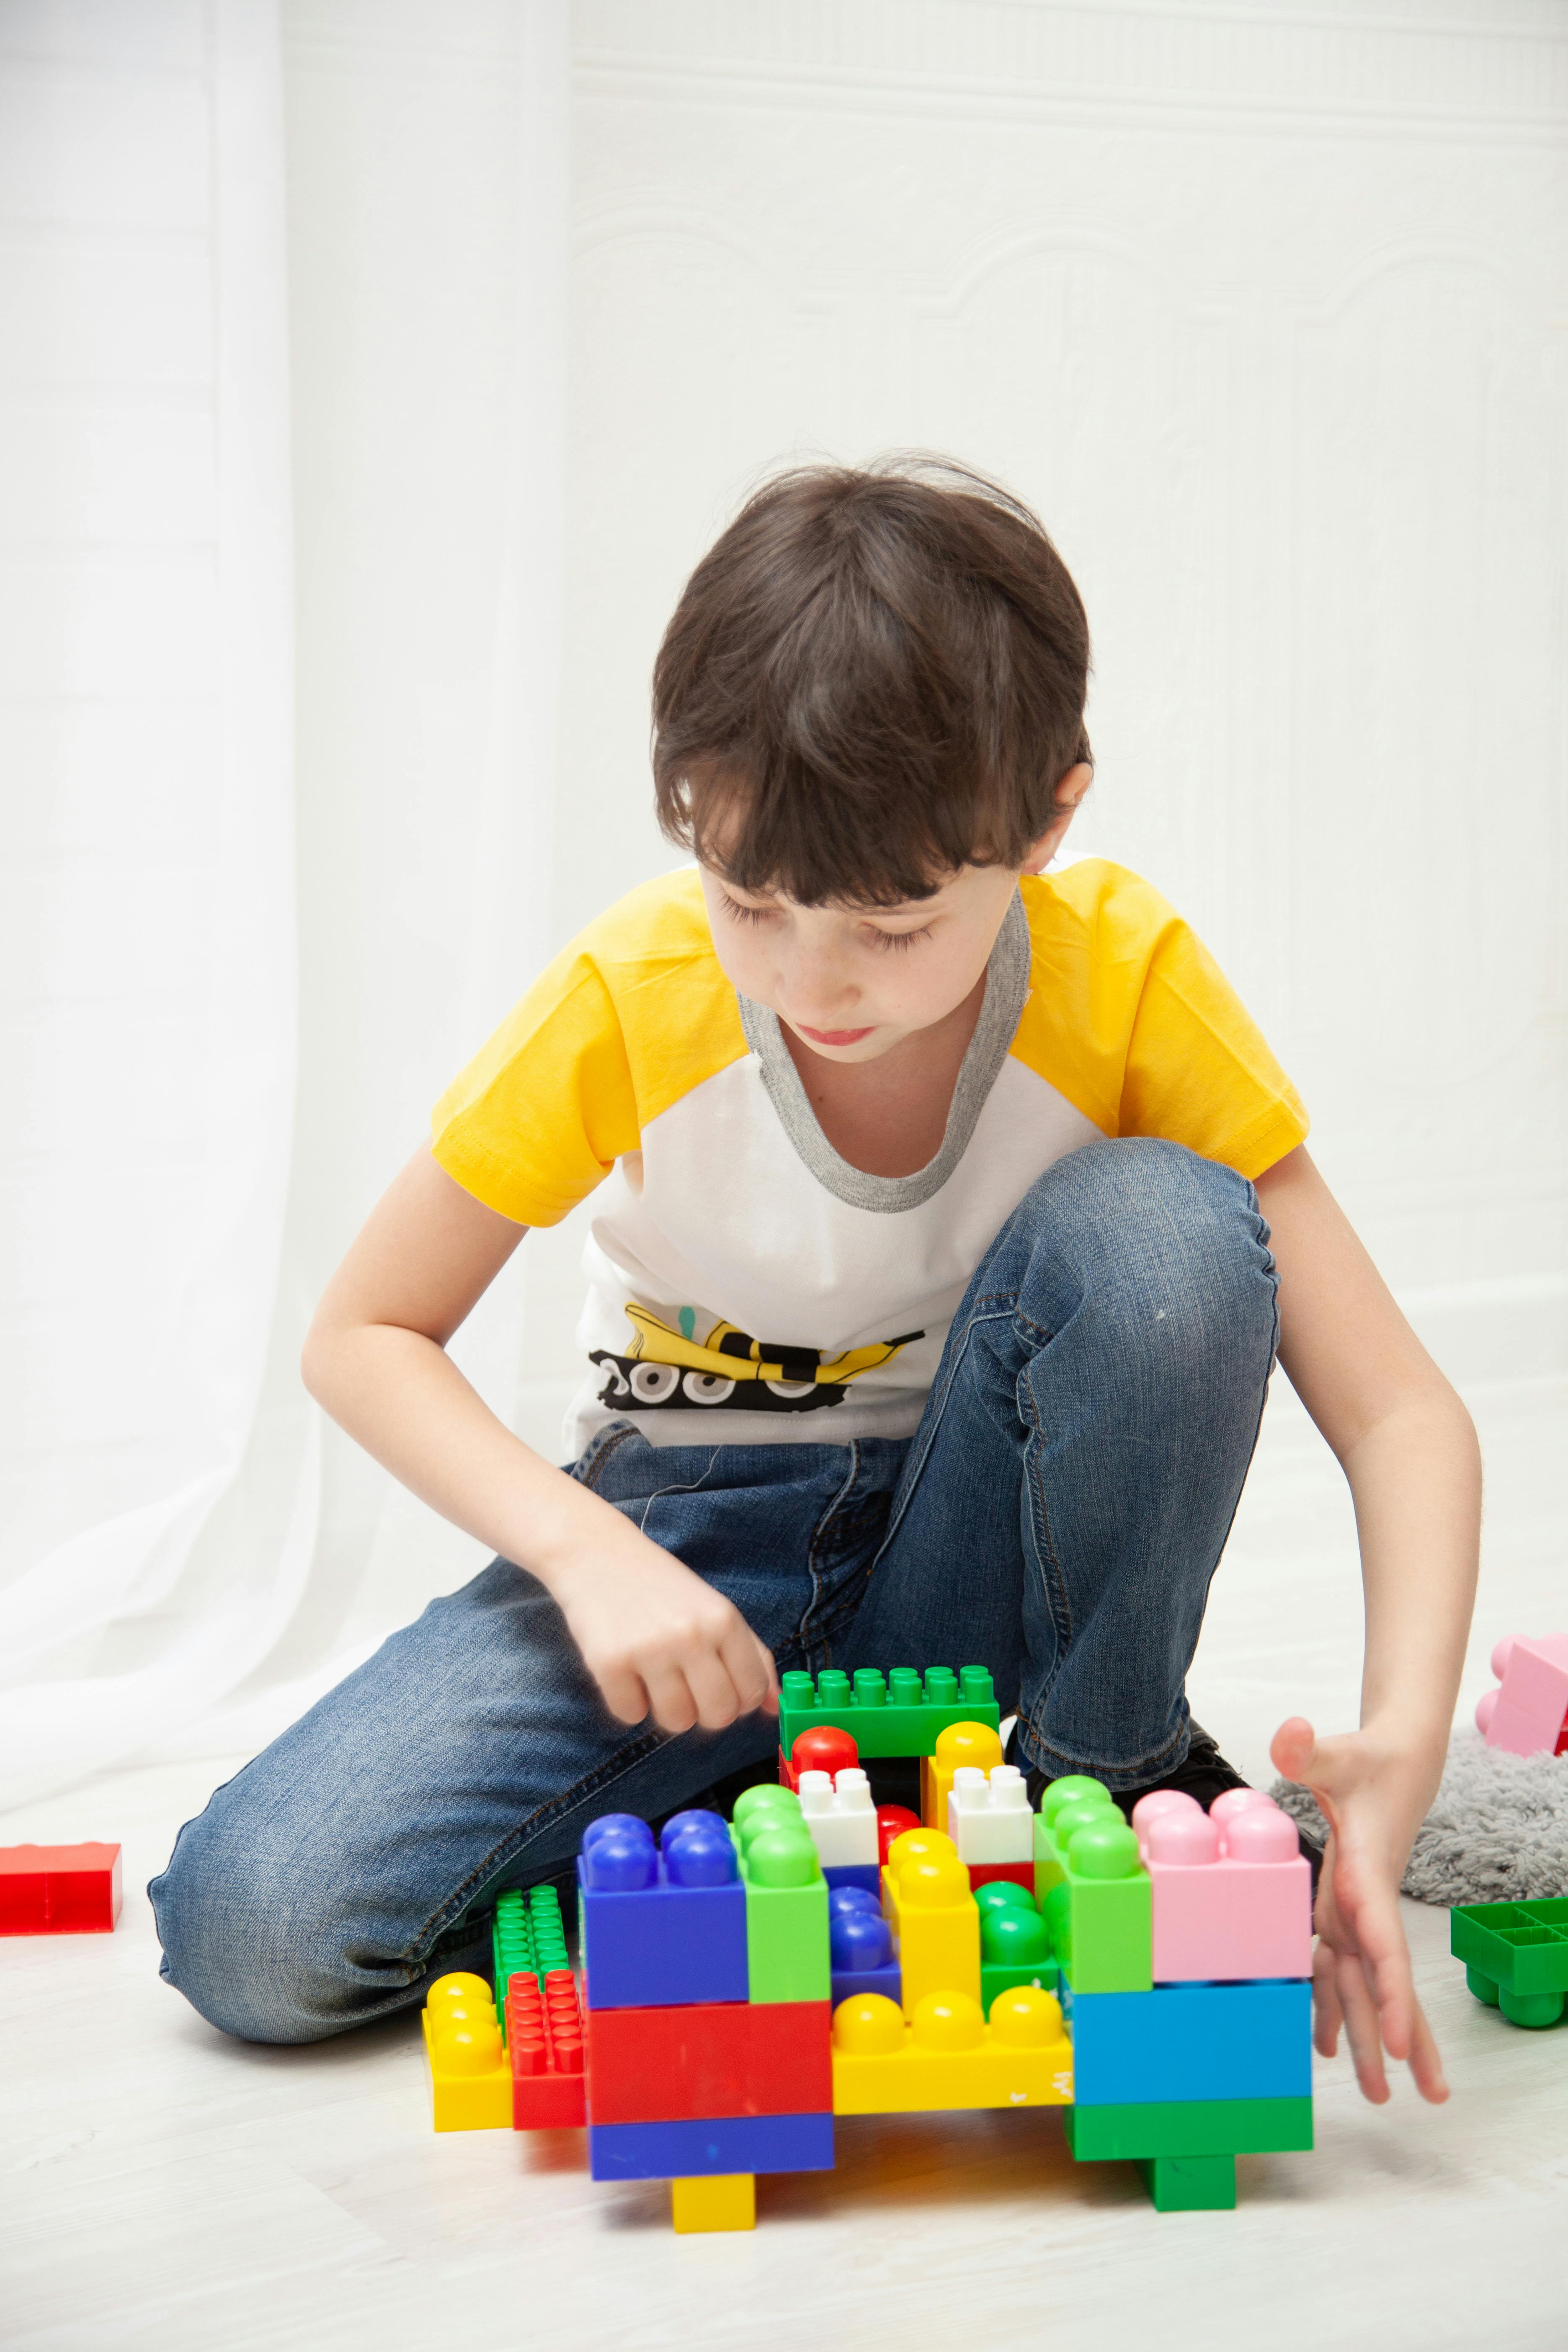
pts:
pixel 889 1981
pixel 662 1927
pixel 1190 2041
pixel 868 1874
pixel 684 2151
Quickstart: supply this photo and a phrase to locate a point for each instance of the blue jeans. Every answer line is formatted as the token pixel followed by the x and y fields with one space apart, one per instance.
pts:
pixel 1056 1517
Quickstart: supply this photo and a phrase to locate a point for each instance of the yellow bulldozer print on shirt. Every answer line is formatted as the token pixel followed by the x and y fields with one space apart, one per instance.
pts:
pixel 670 1369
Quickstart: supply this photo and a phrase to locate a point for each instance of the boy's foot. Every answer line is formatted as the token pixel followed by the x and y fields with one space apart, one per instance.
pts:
pixel 1204 1775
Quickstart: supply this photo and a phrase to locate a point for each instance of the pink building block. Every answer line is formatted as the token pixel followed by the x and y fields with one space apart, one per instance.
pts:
pixel 1232 1889
pixel 1528 1716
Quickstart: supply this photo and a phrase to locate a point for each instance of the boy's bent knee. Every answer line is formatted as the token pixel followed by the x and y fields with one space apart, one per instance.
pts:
pixel 257 1942
pixel 1148 1238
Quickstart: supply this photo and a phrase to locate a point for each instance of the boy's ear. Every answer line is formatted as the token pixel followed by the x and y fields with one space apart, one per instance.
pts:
pixel 1068 798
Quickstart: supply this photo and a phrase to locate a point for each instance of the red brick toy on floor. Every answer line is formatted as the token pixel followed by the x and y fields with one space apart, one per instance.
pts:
pixel 58 1890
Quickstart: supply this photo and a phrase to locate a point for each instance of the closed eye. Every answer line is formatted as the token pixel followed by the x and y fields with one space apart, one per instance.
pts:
pixel 740 914
pixel 895 940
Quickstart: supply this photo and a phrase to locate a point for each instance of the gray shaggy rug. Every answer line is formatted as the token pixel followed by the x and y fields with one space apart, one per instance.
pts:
pixel 1496 1832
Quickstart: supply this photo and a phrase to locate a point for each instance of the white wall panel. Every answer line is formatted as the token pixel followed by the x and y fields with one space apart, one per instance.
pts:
pixel 1263 307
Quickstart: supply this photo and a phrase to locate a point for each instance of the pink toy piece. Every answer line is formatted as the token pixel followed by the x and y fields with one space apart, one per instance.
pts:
pixel 1162 1800
pixel 1501 1654
pixel 1248 1912
pixel 1236 1801
pixel 1529 1711
pixel 1486 1707
pixel 1182 1837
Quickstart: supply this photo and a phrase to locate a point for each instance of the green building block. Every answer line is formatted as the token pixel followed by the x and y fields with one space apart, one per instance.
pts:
pixel 1092 1888
pixel 886 1715
pixel 998 1977
pixel 1190 2184
pixel 1171 2128
pixel 787 1956
pixel 1515 1956
pixel 528 1939
pixel 1014 1942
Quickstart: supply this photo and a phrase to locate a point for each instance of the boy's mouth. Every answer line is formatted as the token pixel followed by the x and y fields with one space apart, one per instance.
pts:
pixel 835 1036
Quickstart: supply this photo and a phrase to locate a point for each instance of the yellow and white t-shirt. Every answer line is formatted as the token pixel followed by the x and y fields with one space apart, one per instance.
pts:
pixel 746 1284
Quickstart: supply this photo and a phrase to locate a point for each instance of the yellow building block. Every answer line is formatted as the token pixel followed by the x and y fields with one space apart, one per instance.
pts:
pixel 947 2056
pixel 961 1743
pixel 719 2200
pixel 471 2079
pixel 933 1916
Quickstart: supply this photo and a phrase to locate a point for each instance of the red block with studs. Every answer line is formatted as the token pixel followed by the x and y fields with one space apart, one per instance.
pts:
pixel 544 2043
pixel 714 2058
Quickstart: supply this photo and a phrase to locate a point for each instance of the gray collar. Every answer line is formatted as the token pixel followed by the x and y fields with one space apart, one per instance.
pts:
pixel 1006 989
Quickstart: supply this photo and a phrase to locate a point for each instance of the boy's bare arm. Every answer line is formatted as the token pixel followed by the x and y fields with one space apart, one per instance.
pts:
pixel 656 1638
pixel 1408 1450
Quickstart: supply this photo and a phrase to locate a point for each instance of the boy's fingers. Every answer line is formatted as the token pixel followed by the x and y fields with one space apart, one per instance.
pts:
pixel 1362 2027
pixel 671 1702
pixel 625 1694
pixel 750 1667
pixel 1292 1748
pixel 1327 2016
pixel 1426 2066
pixel 713 1692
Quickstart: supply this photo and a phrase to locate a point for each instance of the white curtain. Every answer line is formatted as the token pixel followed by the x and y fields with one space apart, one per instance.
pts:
pixel 282 339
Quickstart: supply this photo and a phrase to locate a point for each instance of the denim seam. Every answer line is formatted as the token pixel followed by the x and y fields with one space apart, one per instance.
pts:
pixel 452 1910
pixel 914 1471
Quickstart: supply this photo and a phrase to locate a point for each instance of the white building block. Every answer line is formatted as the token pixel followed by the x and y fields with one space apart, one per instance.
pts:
pixel 988 1816
pixel 840 1816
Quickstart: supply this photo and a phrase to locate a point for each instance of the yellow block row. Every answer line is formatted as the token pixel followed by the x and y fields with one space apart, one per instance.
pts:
pixel 470 2081
pixel 948 2056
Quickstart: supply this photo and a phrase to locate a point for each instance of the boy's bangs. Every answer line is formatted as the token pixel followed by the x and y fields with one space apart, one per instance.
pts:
pixel 818 847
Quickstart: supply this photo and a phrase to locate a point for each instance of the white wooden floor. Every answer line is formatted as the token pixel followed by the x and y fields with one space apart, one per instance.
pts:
pixel 163 2187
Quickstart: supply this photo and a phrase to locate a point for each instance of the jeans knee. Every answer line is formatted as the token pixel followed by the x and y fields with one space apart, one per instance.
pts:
pixel 243 1943
pixel 1161 1250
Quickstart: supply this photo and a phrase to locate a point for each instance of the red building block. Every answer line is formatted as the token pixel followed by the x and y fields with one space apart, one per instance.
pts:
pixel 717 2058
pixel 58 1890
pixel 986 1874
pixel 544 2044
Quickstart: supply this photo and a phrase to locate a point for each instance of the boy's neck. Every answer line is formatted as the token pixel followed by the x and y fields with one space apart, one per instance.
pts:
pixel 887 1117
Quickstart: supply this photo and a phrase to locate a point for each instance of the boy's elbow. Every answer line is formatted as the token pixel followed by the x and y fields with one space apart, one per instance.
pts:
pixel 318 1358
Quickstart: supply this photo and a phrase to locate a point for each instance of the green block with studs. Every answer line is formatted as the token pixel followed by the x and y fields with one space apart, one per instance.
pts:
pixel 1093 1891
pixel 787 1955
pixel 897 1714
pixel 528 1939
pixel 1515 1956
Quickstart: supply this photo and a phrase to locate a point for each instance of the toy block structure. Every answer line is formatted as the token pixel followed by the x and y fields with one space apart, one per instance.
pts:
pixel 1093 1888
pixel 898 1713
pixel 949 2055
pixel 60 1890
pixel 1515 1956
pixel 470 2081
pixel 744 1982
pixel 1527 1714
pixel 1231 1890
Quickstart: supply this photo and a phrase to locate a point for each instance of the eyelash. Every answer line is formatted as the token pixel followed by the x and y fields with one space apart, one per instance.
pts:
pixel 894 942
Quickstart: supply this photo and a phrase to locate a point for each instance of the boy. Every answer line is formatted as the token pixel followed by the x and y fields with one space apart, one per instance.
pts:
pixel 951 1212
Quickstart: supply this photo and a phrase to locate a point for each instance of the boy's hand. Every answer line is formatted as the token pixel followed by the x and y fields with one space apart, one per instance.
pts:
pixel 1373 1796
pixel 660 1642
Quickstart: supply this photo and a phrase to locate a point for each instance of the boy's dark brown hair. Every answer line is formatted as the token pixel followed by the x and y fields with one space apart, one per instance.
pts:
pixel 873 677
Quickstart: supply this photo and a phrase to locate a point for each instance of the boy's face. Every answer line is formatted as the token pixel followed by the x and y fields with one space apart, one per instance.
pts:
pixel 854 982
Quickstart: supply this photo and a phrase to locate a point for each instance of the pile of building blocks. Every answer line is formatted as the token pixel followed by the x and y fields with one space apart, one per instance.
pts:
pixel 745 1982
pixel 1515 1957
pixel 1527 1714
pixel 58 1890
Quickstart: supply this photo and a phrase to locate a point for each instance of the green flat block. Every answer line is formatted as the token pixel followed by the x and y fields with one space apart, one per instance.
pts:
pixel 1104 1927
pixel 886 1715
pixel 528 1939
pixel 1522 1947
pixel 1170 2127
pixel 1190 2184
pixel 998 1977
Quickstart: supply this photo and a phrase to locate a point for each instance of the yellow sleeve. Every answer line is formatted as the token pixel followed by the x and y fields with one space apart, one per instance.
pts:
pixel 1198 1071
pixel 547 1106
pixel 1129 1016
